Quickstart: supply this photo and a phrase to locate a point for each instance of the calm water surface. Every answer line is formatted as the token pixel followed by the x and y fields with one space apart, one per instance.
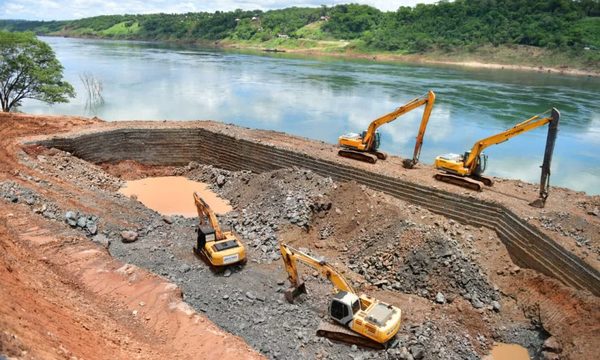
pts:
pixel 322 99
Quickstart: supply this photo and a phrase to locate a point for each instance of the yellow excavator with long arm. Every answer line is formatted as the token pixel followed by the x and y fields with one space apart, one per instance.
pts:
pixel 365 146
pixel 220 248
pixel 466 170
pixel 362 320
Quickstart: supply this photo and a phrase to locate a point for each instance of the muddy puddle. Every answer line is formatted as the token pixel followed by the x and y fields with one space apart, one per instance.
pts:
pixel 502 351
pixel 172 195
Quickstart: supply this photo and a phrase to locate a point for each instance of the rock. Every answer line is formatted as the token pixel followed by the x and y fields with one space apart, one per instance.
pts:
pixel 167 219
pixel 225 297
pixel 81 221
pixel 220 180
pixel 250 295
pixel 417 351
pixel 552 345
pixel 439 298
pixel 91 227
pixel 71 218
pixel 496 306
pixel 477 304
pixel 404 354
pixel 102 240
pixel 546 355
pixel 129 236
pixel 280 282
pixel 595 212
pixel 184 268
pixel 354 347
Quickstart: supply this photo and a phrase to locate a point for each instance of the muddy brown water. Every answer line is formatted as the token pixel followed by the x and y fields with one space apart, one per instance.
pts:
pixel 502 351
pixel 172 195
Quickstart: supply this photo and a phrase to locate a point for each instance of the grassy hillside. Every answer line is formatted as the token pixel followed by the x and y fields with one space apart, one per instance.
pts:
pixel 564 32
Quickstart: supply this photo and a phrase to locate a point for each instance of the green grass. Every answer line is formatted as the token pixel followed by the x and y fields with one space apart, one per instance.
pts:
pixel 121 29
pixel 313 31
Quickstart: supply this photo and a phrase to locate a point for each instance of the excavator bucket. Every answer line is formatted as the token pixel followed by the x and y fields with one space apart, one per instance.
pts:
pixel 293 292
pixel 538 203
pixel 408 163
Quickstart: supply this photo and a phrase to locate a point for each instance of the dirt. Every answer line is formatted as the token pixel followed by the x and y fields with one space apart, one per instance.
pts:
pixel 77 290
pixel 64 296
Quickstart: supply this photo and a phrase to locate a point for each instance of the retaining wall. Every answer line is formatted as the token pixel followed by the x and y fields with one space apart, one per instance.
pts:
pixel 527 245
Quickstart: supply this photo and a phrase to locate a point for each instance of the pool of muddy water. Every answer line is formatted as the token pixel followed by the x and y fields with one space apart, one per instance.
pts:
pixel 502 351
pixel 173 195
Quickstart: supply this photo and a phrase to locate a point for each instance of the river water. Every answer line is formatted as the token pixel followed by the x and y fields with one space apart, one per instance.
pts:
pixel 324 98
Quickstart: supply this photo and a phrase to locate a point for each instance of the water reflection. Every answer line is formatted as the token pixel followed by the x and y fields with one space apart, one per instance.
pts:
pixel 324 98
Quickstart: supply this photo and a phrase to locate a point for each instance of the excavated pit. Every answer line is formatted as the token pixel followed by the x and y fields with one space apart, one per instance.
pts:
pixel 527 245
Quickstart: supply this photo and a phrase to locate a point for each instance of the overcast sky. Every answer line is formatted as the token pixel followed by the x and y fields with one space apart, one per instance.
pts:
pixel 75 9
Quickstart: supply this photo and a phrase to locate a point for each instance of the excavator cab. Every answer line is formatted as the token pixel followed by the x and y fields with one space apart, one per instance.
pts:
pixel 205 234
pixel 343 307
pixel 481 162
pixel 376 140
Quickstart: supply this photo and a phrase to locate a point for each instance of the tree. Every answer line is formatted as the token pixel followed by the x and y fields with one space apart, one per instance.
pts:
pixel 29 70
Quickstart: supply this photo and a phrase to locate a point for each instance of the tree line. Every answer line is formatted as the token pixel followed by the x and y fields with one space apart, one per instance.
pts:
pixel 553 24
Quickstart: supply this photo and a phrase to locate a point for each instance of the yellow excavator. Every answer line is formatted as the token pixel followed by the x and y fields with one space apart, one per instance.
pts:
pixel 362 320
pixel 220 248
pixel 466 170
pixel 365 146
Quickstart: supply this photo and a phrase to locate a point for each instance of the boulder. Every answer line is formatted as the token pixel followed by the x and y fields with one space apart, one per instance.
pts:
pixel 129 236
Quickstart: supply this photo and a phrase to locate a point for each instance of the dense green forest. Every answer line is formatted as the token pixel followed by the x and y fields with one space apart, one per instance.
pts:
pixel 569 26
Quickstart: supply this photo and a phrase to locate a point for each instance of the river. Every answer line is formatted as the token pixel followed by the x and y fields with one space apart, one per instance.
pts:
pixel 324 98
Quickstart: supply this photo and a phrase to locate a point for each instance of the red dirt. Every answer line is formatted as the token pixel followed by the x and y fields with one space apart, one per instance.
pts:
pixel 62 296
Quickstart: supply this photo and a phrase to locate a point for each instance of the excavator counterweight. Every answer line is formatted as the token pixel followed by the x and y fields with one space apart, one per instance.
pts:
pixel 466 170
pixel 365 146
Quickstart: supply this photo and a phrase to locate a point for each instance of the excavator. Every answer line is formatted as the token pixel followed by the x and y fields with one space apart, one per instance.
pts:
pixel 466 170
pixel 220 248
pixel 364 147
pixel 360 320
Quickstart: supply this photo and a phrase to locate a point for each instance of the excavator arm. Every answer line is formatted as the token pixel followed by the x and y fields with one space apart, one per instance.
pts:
pixel 291 257
pixel 428 99
pixel 205 212
pixel 534 122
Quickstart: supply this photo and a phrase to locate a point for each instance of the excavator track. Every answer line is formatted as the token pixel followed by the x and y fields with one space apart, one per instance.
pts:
pixel 380 155
pixel 486 181
pixel 460 181
pixel 343 334
pixel 357 155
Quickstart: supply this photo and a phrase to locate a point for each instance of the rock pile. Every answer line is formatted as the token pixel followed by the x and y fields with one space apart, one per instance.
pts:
pixel 88 223
pixel 15 193
pixel 437 270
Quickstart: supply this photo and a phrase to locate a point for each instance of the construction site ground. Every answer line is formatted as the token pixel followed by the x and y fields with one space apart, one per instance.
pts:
pixel 73 288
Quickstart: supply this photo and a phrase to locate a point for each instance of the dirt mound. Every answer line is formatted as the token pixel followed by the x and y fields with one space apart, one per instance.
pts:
pixel 437 270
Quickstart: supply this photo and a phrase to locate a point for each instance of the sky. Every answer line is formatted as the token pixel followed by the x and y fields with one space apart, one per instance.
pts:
pixel 76 9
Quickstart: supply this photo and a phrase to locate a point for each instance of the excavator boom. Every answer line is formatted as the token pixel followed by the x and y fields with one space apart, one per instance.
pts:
pixel 205 212
pixel 359 146
pixel 523 127
pixel 291 257
pixel 472 164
